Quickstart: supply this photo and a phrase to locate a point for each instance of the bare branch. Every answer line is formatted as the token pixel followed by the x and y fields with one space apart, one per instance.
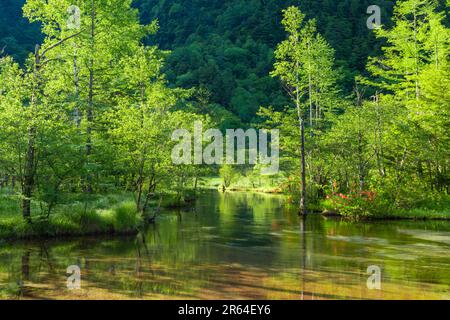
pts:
pixel 59 43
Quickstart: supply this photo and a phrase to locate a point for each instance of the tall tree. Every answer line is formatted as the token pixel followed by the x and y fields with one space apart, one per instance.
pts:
pixel 290 67
pixel 88 64
pixel 304 63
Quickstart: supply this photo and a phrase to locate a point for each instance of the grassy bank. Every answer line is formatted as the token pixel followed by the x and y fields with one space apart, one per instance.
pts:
pixel 411 214
pixel 78 215
pixel 362 209
pixel 115 214
pixel 103 214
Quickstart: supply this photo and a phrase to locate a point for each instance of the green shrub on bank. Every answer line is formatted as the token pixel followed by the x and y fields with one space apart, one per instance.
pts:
pixel 375 206
pixel 356 205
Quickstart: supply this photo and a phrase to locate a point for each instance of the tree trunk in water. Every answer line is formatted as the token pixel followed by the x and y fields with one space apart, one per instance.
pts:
pixel 303 156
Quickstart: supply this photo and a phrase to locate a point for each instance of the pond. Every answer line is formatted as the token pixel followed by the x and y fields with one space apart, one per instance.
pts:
pixel 238 246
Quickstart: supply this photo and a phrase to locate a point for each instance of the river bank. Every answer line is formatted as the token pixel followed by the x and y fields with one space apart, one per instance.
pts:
pixel 116 214
pixel 113 214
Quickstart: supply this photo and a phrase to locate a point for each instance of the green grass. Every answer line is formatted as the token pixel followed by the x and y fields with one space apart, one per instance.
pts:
pixel 108 214
pixel 433 210
pixel 418 214
pixel 211 182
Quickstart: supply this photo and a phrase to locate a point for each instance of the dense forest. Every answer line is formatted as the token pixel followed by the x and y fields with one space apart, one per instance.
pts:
pixel 228 47
pixel 17 36
pixel 89 111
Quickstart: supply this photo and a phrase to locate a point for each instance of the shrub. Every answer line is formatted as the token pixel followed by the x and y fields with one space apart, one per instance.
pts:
pixel 358 205
pixel 228 175
pixel 126 216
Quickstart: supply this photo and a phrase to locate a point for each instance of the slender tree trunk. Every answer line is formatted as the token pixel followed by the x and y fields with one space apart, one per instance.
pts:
pixel 195 185
pixel 140 184
pixel 317 110
pixel 28 181
pixel 310 89
pixel 89 136
pixel 378 139
pixel 361 162
pixel 416 56
pixel 302 208
pixel 150 193
pixel 89 112
pixel 361 165
pixel 140 181
pixel 311 119
pixel 303 196
pixel 77 112
pixel 29 170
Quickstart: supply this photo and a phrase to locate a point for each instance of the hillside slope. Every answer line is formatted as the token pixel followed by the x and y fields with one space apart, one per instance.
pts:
pixel 227 46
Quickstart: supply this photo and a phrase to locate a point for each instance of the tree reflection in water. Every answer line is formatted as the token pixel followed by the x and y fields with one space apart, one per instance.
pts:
pixel 237 246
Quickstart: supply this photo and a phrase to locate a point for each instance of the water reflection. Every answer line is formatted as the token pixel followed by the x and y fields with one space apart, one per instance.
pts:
pixel 238 246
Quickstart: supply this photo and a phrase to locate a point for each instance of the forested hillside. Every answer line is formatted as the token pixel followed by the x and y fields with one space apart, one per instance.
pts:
pixel 227 47
pixel 17 35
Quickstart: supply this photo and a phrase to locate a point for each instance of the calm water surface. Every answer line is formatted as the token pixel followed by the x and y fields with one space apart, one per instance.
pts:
pixel 238 246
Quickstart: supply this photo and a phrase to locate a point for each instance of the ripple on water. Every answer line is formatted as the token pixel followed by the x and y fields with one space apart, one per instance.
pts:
pixel 361 240
pixel 441 237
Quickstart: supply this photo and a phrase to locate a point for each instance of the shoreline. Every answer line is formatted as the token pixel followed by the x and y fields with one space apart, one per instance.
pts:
pixel 69 236
pixel 324 212
pixel 99 224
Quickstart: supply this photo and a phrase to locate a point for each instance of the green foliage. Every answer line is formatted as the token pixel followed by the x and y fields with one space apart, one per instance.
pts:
pixel 107 214
pixel 93 111
pixel 84 118
pixel 395 145
pixel 228 175
pixel 228 46
pixel 17 36
pixel 126 217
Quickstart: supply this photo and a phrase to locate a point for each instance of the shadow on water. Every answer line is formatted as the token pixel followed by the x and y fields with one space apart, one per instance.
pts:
pixel 237 246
